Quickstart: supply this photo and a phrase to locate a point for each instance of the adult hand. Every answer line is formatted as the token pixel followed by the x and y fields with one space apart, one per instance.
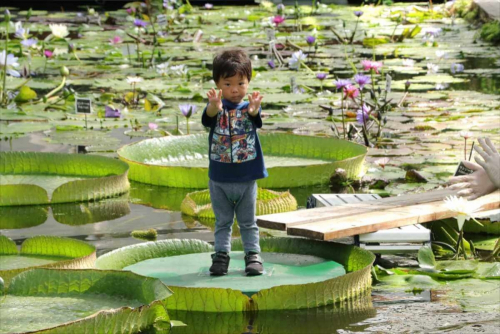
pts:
pixel 473 185
pixel 254 103
pixel 491 162
pixel 215 98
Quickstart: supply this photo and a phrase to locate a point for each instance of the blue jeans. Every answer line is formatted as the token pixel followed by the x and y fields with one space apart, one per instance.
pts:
pixel 228 199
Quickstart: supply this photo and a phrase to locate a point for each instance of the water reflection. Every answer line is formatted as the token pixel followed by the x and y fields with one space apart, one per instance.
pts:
pixel 18 217
pixel 327 319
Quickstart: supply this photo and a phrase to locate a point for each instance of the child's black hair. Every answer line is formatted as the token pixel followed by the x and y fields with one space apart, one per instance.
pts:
pixel 230 62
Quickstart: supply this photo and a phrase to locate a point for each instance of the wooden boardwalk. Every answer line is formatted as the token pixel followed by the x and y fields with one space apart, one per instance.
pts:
pixel 490 7
pixel 328 223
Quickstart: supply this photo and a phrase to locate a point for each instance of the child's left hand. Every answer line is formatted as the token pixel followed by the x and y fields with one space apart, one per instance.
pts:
pixel 254 103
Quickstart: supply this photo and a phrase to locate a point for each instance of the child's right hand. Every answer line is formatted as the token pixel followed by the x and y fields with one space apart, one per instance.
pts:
pixel 215 99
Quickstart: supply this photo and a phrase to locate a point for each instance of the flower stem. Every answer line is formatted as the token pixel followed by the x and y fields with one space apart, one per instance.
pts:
pixel 58 88
pixel 465 149
pixel 187 124
pixel 4 93
pixel 342 111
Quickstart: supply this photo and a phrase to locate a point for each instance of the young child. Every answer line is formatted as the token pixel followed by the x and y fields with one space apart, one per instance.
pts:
pixel 236 160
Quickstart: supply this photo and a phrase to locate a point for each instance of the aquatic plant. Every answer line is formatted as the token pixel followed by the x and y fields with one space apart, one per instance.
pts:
pixel 180 161
pixel 59 178
pixel 357 263
pixel 465 210
pixel 43 252
pixel 84 301
pixel 490 32
pixel 198 203
pixel 465 135
pixel 187 111
pixel 59 30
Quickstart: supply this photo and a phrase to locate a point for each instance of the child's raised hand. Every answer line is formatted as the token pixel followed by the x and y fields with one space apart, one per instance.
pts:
pixel 215 98
pixel 254 102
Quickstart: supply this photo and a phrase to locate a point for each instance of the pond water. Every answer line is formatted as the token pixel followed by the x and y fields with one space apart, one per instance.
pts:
pixel 422 133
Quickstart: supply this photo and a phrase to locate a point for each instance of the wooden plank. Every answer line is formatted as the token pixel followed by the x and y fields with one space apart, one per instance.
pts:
pixel 282 221
pixel 388 218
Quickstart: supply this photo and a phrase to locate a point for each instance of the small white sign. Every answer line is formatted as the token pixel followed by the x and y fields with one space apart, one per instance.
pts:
pixel 271 34
pixel 388 80
pixel 83 105
pixel 162 20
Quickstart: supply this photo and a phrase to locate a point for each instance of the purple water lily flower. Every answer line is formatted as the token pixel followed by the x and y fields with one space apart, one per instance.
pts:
pixel 280 8
pixel 456 68
pixel 363 114
pixel 112 112
pixel 271 64
pixel 358 13
pixel 310 40
pixel 131 10
pixel 341 83
pixel 187 109
pixel 29 42
pixel 321 76
pixel 209 6
pixel 140 23
pixel 434 32
pixel 362 80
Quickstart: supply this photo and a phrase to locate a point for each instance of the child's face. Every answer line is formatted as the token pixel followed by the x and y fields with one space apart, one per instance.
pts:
pixel 234 88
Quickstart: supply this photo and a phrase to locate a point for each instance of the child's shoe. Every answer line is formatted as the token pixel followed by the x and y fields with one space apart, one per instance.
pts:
pixel 253 264
pixel 220 263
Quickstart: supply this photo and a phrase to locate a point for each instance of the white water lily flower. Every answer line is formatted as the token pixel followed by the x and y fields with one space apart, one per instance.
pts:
pixel 466 134
pixel 59 30
pixel 21 33
pixel 382 162
pixel 134 80
pixel 463 208
pixel 408 62
pixel 163 69
pixel 440 54
pixel 11 61
pixel 297 57
pixel 432 68
pixel 179 70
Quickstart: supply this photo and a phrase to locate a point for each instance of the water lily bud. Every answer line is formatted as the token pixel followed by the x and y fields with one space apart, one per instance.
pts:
pixel 407 85
pixel 71 47
pixel 372 94
pixel 7 15
pixel 28 14
pixel 64 71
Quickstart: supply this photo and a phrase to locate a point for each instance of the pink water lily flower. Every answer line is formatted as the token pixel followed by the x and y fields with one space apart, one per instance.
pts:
pixel 278 19
pixel 115 40
pixel 382 162
pixel 351 91
pixel 153 126
pixel 48 53
pixel 369 65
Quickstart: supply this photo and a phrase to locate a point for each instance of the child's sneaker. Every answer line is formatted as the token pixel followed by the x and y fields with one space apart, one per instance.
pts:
pixel 253 264
pixel 220 263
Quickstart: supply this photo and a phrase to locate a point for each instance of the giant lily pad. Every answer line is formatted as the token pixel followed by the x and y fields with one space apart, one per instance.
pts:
pixel 82 301
pixel 198 203
pixel 291 160
pixel 38 178
pixel 43 252
pixel 356 262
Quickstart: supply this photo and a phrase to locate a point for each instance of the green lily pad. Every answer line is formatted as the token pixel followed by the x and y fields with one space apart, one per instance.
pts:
pixel 357 264
pixel 291 160
pixel 31 177
pixel 82 301
pixel 43 251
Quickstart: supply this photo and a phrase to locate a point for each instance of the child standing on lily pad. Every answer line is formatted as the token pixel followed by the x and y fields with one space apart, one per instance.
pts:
pixel 236 159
